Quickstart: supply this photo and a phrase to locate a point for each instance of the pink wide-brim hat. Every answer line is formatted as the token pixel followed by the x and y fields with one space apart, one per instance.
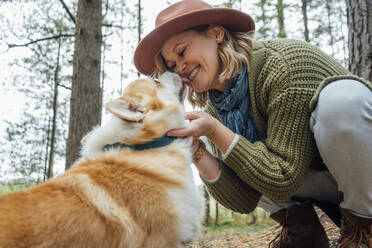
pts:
pixel 180 17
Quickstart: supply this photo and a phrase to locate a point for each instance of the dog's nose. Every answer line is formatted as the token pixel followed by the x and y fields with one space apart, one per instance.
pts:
pixel 171 78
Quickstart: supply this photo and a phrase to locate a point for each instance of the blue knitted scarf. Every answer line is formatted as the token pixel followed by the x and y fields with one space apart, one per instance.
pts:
pixel 232 106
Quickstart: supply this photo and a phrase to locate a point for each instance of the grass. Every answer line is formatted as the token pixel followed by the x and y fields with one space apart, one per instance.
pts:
pixel 232 233
pixel 237 226
pixel 232 229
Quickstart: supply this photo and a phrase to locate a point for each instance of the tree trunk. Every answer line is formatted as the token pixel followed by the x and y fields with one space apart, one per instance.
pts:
pixel 122 49
pixel 359 17
pixel 280 9
pixel 207 207
pixel 46 153
pixel 264 28
pixel 86 96
pixel 304 14
pixel 139 25
pixel 341 10
pixel 54 117
pixel 329 28
pixel 217 214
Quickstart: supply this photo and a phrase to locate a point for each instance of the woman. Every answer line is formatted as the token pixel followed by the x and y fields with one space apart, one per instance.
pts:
pixel 272 109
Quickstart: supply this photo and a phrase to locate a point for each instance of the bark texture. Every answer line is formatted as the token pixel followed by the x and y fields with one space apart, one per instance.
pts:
pixel 359 13
pixel 86 95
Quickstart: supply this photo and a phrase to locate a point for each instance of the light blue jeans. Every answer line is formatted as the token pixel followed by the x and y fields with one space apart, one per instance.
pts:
pixel 342 127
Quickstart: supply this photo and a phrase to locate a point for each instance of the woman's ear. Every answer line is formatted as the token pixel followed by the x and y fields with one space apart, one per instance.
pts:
pixel 217 32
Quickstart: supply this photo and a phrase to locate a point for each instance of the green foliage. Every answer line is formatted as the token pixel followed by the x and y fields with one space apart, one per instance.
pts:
pixel 233 232
pixel 4 189
pixel 228 5
pixel 230 226
pixel 15 185
pixel 225 223
pixel 264 18
pixel 227 217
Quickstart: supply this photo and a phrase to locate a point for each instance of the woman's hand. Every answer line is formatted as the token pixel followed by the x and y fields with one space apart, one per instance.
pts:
pixel 201 124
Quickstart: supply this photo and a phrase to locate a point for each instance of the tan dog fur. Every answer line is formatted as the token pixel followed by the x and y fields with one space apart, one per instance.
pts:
pixel 116 198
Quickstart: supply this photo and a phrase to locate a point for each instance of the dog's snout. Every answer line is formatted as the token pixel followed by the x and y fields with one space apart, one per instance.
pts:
pixel 171 78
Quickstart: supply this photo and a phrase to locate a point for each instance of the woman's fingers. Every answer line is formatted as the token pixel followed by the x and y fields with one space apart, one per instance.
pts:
pixel 180 132
pixel 189 130
pixel 200 124
pixel 192 115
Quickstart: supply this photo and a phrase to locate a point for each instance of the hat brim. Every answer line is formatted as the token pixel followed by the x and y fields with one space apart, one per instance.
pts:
pixel 233 20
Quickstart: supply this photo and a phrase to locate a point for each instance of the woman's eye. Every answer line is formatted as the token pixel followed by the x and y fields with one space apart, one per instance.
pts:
pixel 182 52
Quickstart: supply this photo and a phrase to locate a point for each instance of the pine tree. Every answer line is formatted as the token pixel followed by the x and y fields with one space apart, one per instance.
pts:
pixel 359 13
pixel 86 94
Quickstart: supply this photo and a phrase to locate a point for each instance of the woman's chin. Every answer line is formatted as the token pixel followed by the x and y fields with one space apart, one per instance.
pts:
pixel 197 87
pixel 199 90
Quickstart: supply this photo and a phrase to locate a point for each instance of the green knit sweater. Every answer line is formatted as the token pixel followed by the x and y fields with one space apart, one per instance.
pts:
pixel 285 79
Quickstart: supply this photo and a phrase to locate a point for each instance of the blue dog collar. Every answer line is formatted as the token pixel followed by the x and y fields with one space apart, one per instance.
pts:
pixel 156 143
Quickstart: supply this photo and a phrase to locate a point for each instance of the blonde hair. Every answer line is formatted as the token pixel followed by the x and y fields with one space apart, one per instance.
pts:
pixel 234 50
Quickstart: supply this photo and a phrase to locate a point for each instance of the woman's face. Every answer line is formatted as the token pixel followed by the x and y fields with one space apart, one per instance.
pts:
pixel 193 56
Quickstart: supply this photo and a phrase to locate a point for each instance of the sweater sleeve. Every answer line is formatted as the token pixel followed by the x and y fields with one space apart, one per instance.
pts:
pixel 231 192
pixel 229 189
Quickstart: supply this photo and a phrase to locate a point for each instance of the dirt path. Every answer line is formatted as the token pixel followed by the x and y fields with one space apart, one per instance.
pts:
pixel 261 238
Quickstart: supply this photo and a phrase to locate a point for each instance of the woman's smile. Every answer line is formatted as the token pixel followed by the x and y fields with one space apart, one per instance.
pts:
pixel 189 79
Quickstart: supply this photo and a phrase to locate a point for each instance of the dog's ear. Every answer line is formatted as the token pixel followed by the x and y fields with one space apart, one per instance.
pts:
pixel 125 109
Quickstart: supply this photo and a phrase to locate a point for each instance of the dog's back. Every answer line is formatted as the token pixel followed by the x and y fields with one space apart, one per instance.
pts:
pixel 114 198
pixel 100 203
pixel 54 214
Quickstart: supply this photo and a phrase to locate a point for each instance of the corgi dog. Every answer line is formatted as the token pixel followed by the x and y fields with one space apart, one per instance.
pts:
pixel 132 187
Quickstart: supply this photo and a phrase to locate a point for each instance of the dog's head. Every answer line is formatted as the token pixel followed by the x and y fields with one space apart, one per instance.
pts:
pixel 149 108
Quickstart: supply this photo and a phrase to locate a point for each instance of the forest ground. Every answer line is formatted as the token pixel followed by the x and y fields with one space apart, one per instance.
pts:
pixel 255 237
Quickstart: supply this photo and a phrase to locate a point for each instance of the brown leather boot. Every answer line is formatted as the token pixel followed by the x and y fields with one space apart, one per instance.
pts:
pixel 356 232
pixel 301 228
